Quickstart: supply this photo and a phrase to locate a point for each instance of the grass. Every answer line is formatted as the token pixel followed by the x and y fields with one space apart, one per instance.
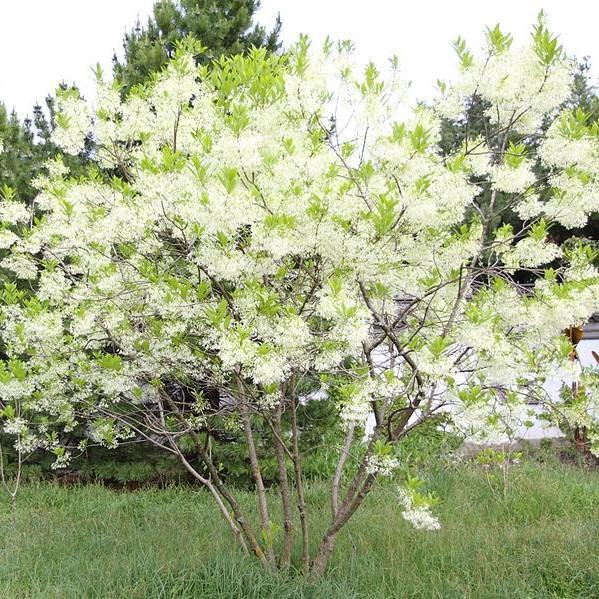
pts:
pixel 540 540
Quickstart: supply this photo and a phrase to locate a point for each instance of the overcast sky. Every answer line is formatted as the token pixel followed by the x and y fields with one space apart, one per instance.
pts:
pixel 44 42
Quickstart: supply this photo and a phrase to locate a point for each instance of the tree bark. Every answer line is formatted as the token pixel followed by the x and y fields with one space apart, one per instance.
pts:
pixel 288 533
pixel 325 550
pixel 349 437
pixel 257 475
pixel 299 487
pixel 238 514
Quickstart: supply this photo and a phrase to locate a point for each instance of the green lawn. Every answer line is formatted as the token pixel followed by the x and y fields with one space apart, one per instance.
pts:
pixel 541 540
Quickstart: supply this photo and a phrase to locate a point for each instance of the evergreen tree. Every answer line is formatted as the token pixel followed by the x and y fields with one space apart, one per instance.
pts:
pixel 223 26
pixel 18 159
pixel 27 145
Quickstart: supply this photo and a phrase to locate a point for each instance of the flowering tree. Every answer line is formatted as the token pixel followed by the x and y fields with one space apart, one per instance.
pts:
pixel 275 225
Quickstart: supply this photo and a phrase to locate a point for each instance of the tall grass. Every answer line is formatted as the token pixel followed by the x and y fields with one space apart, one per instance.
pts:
pixel 538 541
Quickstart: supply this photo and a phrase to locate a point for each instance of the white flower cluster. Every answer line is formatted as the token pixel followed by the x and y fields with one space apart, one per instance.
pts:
pixel 512 180
pixel 521 84
pixel 14 212
pixel 7 238
pixel 382 465
pixel 61 461
pixel 15 426
pixel 530 253
pixel 73 122
pixel 357 407
pixel 419 516
pixel 492 421
pixel 22 266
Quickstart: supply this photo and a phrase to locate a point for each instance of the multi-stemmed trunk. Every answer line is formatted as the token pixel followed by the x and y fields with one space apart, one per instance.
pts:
pixel 345 499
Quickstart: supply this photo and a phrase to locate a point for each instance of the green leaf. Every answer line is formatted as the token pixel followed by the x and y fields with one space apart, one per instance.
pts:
pixel 17 369
pixel 228 178
pixel 465 56
pixel 419 138
pixel 9 412
pixel 438 345
pixel 384 215
pixel 11 295
pixel 111 362
pixel 538 231
pixel 499 41
pixel 515 155
pixel 545 43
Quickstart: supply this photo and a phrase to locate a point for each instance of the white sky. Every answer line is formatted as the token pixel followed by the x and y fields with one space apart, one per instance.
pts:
pixel 66 37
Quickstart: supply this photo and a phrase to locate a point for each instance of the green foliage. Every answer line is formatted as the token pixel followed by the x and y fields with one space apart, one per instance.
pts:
pixel 500 42
pixel 224 27
pixel 427 449
pixel 371 84
pixel 515 155
pixel 18 160
pixel 573 125
pixel 27 146
pixel 419 138
pixel 545 43
pixel 135 463
pixel 384 216
pixel 464 55
pixel 256 76
pixel 110 362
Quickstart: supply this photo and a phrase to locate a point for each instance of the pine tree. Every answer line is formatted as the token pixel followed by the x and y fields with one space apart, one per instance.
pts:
pixel 26 147
pixel 18 162
pixel 223 26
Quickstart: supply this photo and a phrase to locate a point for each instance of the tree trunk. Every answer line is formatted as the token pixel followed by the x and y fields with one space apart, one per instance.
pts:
pixel 238 514
pixel 349 437
pixel 285 559
pixel 323 555
pixel 350 505
pixel 257 475
pixel 299 487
